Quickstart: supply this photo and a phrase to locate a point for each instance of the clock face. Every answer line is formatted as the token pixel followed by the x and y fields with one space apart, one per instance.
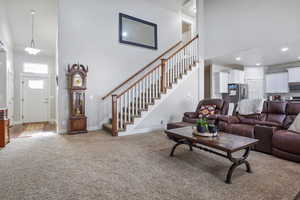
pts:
pixel 77 81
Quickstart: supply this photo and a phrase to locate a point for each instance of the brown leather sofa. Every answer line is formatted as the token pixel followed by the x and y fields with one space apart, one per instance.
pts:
pixel 270 127
pixel 190 118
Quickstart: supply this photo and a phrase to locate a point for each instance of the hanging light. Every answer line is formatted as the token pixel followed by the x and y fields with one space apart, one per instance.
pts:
pixel 32 50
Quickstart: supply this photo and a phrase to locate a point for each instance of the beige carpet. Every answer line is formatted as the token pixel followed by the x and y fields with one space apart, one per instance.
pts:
pixel 97 166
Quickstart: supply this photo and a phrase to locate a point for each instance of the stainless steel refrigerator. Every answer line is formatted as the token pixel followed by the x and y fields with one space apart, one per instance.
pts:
pixel 236 92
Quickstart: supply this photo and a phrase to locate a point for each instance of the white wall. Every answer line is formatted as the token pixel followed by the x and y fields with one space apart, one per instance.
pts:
pixel 88 32
pixel 6 38
pixel 19 59
pixel 200 23
pixel 235 25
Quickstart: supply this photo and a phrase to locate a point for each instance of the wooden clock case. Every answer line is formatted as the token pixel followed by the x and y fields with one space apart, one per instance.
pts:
pixel 77 75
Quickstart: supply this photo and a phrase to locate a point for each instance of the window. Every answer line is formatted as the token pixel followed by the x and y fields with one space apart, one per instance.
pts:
pixel 35 68
pixel 36 84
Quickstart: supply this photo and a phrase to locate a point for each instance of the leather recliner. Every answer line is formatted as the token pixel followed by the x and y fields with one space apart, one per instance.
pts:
pixel 285 143
pixel 221 109
pixel 190 118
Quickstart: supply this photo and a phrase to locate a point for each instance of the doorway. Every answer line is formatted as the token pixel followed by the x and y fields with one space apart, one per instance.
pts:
pixel 186 31
pixel 35 99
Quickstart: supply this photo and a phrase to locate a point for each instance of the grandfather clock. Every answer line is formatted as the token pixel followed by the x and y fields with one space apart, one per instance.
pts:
pixel 77 75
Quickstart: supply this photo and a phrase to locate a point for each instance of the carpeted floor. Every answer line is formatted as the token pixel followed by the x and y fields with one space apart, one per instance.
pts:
pixel 97 166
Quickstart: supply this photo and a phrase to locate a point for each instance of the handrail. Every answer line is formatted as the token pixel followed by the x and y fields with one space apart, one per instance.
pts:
pixel 136 82
pixel 183 47
pixel 141 70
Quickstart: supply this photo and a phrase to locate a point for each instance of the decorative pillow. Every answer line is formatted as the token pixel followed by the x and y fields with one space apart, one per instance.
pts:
pixel 296 125
pixel 206 110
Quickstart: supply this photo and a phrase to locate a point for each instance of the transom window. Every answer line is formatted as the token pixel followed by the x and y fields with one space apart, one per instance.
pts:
pixel 35 68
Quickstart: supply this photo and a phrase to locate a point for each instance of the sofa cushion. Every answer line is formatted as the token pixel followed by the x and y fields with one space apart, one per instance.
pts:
pixel 229 119
pixel 292 110
pixel 286 141
pixel 242 130
pixel 245 120
pixel 277 107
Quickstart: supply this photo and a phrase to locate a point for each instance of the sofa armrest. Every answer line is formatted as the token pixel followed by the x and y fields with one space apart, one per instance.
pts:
pixel 264 134
pixel 213 117
pixel 229 119
pixel 191 114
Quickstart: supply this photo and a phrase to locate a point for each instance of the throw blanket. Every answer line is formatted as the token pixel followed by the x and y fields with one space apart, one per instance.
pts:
pixel 296 124
pixel 250 106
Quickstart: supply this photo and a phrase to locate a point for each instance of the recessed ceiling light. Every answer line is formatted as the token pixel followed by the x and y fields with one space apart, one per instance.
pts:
pixel 238 58
pixel 194 9
pixel 124 34
pixel 284 49
pixel 258 64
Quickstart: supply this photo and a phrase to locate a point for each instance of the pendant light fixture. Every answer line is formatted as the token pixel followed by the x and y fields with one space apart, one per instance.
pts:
pixel 32 50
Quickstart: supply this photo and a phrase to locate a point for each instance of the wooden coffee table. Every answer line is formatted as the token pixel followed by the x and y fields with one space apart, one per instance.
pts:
pixel 224 142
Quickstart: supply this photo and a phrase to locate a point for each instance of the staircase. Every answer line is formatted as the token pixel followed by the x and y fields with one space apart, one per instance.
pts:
pixel 130 99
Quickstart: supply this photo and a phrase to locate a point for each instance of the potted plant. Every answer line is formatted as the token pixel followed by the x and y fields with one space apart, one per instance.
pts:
pixel 202 125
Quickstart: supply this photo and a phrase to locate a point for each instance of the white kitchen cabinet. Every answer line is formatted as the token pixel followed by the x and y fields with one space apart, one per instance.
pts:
pixel 294 75
pixel 236 76
pixel 277 83
pixel 221 82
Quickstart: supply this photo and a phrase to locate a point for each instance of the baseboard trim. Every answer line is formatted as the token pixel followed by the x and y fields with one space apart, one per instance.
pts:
pixel 142 130
pixel 91 128
pixel 17 123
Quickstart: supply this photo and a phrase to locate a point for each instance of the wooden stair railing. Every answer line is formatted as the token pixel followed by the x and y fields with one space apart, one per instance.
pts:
pixel 130 103
pixel 141 70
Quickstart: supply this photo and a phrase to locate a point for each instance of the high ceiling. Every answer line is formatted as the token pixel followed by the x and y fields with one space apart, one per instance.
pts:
pixel 45 23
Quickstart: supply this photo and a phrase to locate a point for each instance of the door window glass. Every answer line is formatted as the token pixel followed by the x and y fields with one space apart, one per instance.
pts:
pixel 36 84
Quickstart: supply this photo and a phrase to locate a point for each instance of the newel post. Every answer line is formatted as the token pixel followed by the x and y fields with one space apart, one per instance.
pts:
pixel 163 77
pixel 114 115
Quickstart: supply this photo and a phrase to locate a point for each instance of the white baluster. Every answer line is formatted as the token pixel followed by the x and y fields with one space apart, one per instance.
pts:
pixel 146 91
pixel 135 100
pixel 120 113
pixel 129 107
pixel 125 107
pixel 177 66
pixel 140 95
pixel 158 77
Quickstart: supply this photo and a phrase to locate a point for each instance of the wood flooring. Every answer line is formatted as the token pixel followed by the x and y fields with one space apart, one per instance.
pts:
pixel 31 129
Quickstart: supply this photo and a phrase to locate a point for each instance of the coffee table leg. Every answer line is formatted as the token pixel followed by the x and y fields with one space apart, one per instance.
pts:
pixel 237 162
pixel 174 147
pixel 191 147
pixel 180 142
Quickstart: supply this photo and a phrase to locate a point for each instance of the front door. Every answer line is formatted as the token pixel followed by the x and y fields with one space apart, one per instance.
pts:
pixel 35 99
